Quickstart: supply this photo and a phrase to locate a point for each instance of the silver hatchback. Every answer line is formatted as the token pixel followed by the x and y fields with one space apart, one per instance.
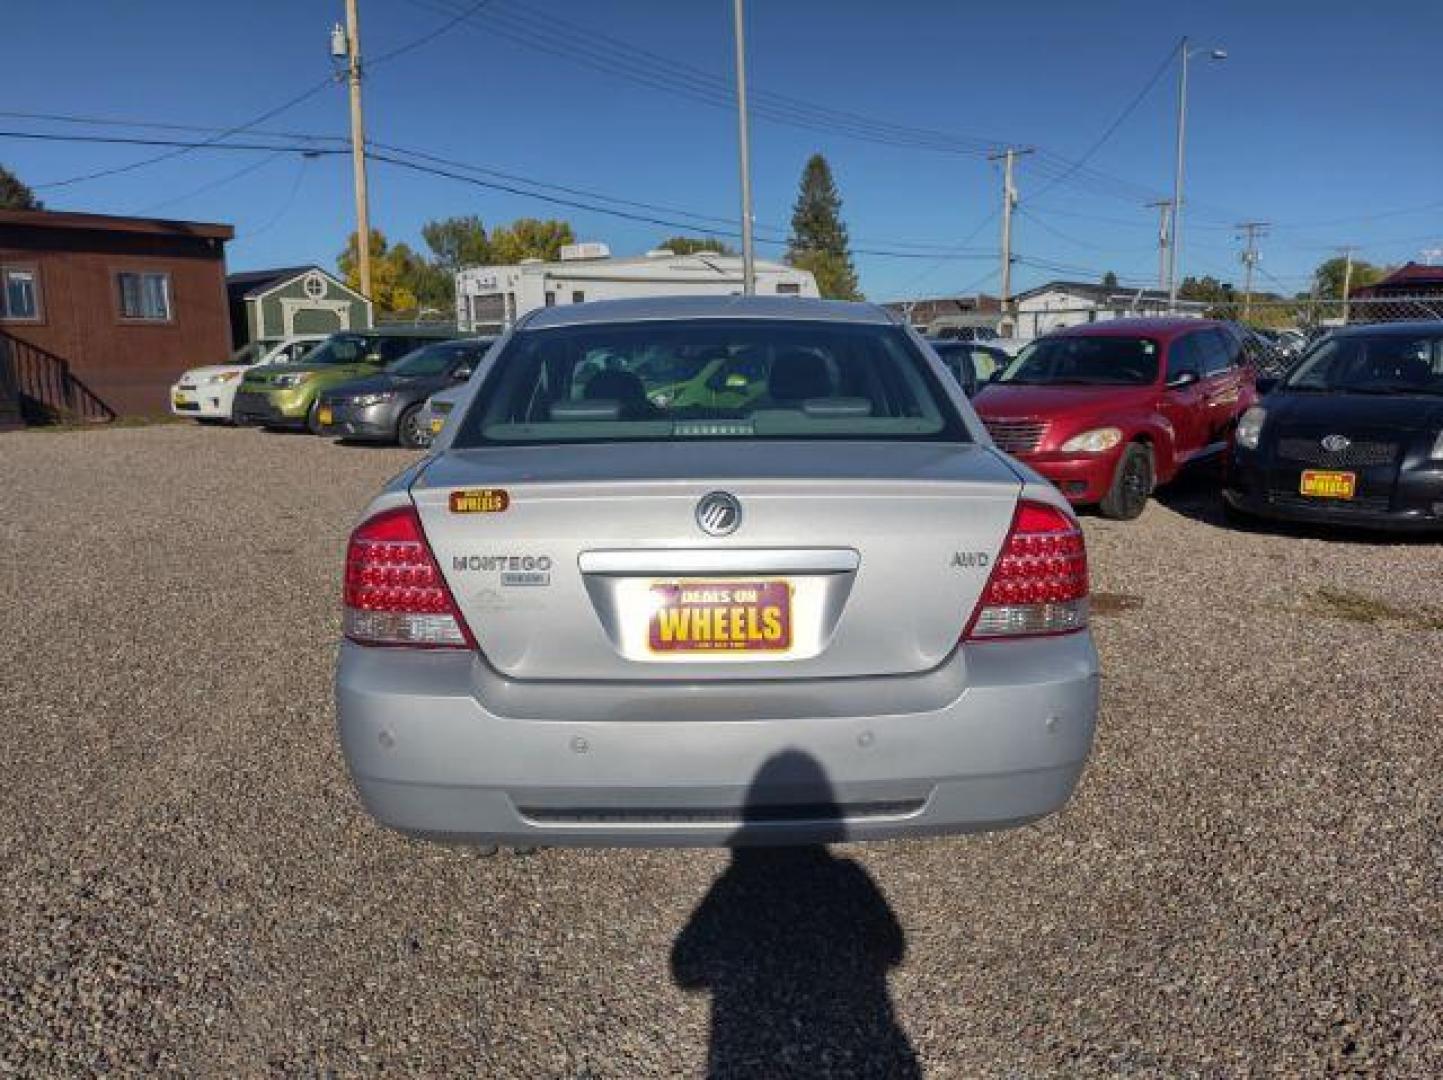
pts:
pixel 710 571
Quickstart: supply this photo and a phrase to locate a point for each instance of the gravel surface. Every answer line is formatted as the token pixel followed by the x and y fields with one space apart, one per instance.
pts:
pixel 1248 879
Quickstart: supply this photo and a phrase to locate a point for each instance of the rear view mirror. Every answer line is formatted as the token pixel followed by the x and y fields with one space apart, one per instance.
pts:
pixel 1182 380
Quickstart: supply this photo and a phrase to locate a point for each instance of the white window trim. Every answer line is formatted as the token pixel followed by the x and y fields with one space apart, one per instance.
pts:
pixel 33 269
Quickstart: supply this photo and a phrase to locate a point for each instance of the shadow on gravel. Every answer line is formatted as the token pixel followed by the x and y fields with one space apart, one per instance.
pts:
pixel 794 946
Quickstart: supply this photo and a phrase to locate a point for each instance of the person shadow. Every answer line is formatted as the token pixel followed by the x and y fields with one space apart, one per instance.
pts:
pixel 794 945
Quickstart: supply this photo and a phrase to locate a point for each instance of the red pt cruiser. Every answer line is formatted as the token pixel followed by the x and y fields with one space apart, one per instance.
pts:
pixel 1108 411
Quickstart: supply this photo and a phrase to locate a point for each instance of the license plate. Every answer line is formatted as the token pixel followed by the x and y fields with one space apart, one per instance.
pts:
pixel 1322 484
pixel 181 399
pixel 325 416
pixel 721 616
pixel 436 425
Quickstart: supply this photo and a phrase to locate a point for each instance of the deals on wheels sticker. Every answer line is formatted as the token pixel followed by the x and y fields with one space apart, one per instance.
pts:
pixel 741 616
pixel 480 501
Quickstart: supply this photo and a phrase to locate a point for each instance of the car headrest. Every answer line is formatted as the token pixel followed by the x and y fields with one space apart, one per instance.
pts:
pixel 620 386
pixel 797 375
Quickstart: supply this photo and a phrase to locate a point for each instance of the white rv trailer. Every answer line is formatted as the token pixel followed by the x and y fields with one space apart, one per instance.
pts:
pixel 490 298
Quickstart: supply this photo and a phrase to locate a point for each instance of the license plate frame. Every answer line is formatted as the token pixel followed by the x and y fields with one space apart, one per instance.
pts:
pixel 726 617
pixel 1328 484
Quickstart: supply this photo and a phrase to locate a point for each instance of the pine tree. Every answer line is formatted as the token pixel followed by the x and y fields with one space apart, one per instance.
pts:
pixel 14 195
pixel 819 237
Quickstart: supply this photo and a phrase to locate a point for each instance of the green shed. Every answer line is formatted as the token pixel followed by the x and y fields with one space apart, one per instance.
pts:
pixel 273 304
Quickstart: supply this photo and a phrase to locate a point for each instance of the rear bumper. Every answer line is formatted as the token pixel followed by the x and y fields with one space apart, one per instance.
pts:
pixel 441 746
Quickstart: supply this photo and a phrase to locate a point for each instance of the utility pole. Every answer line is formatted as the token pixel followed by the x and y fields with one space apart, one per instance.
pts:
pixel 1347 253
pixel 749 264
pixel 358 145
pixel 1164 240
pixel 1252 231
pixel 1009 201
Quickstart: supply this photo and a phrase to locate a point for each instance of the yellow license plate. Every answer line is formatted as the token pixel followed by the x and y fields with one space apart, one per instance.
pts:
pixel 325 416
pixel 436 425
pixel 721 616
pixel 181 399
pixel 1322 484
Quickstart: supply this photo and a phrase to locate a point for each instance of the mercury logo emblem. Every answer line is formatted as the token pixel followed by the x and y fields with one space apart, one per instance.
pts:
pixel 719 513
pixel 1337 443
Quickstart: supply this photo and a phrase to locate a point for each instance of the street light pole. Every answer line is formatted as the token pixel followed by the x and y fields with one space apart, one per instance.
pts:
pixel 1176 212
pixel 749 266
pixel 1185 54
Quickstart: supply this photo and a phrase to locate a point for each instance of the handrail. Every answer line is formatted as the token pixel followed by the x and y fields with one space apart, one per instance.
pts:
pixel 47 390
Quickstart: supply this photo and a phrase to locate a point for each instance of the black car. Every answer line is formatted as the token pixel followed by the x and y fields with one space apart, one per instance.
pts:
pixel 970 362
pixel 387 407
pixel 1352 435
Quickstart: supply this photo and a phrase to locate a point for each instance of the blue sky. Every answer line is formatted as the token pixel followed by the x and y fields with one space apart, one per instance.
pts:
pixel 1325 120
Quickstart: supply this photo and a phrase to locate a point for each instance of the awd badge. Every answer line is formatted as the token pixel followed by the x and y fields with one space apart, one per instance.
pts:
pixel 480 501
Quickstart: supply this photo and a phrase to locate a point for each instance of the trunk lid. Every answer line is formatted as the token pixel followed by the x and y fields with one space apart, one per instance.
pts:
pixel 881 550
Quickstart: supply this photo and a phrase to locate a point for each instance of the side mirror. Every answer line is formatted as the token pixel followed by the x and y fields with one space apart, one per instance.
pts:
pixel 461 374
pixel 1182 380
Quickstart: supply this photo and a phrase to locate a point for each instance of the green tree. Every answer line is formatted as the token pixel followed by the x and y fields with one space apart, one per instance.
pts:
pixel 530 238
pixel 1328 277
pixel 819 237
pixel 14 195
pixel 690 245
pixel 456 242
pixel 392 270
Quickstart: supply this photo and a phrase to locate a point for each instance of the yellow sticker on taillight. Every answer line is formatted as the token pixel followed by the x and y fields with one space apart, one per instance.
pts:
pixel 480 501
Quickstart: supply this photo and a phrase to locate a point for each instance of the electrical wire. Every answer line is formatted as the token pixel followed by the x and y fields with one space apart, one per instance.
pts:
pixel 177 151
pixel 212 185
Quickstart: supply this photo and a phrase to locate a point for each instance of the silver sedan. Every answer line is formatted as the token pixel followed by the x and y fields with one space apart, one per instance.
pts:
pixel 700 571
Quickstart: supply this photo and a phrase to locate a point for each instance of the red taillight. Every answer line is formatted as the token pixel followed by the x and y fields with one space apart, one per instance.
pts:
pixel 394 591
pixel 1039 582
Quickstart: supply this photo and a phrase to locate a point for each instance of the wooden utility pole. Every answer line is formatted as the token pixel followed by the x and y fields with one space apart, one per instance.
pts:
pixel 1347 279
pixel 358 146
pixel 1009 201
pixel 1164 238
pixel 1252 230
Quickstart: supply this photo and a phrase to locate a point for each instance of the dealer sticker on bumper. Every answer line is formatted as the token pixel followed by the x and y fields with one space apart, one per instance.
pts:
pixel 740 616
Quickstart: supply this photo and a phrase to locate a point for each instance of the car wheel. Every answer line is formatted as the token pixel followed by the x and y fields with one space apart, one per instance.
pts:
pixel 409 432
pixel 313 418
pixel 1131 484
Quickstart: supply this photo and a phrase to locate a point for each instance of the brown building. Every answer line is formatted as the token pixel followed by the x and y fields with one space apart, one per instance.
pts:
pixel 108 308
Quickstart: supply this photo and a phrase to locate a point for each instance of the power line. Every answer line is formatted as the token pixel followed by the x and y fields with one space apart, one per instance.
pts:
pixel 178 150
pixel 1107 133
pixel 213 184
pixel 402 50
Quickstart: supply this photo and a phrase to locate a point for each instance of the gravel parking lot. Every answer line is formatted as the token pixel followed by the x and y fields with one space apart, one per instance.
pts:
pixel 1250 879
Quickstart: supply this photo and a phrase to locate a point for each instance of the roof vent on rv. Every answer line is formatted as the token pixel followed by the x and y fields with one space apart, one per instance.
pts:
pixel 592 250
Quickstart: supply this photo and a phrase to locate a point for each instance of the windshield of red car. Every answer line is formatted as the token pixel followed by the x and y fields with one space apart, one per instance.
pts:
pixel 1077 360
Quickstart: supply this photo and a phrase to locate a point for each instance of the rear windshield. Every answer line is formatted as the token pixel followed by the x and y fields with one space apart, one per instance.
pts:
pixel 1075 360
pixel 710 379
pixel 340 349
pixel 1372 364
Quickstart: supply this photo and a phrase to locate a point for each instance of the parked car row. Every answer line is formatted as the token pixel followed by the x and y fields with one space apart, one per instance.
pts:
pixel 1351 433
pixel 368 385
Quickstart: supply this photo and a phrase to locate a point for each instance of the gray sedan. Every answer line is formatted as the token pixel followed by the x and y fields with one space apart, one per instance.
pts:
pixel 387 407
pixel 805 602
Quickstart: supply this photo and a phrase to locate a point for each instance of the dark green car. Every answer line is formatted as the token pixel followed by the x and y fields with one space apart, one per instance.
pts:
pixel 288 395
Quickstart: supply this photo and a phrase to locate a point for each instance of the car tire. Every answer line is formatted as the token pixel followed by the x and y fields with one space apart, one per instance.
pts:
pixel 313 417
pixel 1131 486
pixel 408 429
